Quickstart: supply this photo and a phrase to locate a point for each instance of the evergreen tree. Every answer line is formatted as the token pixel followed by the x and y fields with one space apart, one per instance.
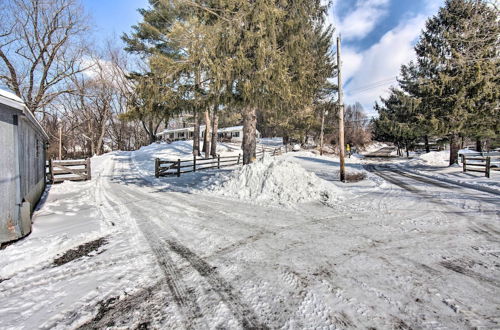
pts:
pixel 152 103
pixel 457 59
pixel 396 120
pixel 248 56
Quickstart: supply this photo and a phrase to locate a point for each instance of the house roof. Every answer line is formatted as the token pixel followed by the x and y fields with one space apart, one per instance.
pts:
pixel 230 129
pixel 184 129
pixel 202 127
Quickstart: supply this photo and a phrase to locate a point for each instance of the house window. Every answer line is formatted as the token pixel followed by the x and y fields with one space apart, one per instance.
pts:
pixel 37 151
pixel 236 134
pixel 190 134
pixel 171 135
pixel 181 134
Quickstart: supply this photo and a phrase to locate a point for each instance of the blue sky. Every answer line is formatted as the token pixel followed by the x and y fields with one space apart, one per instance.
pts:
pixel 111 18
pixel 377 37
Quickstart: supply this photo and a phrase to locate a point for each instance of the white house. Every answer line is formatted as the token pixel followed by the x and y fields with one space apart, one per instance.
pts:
pixel 233 134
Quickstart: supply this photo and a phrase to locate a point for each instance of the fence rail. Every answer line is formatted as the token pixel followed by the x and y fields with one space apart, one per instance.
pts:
pixel 482 162
pixel 182 166
pixel 69 170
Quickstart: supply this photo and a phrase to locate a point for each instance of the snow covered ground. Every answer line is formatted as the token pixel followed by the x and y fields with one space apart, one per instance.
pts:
pixel 126 250
pixel 435 165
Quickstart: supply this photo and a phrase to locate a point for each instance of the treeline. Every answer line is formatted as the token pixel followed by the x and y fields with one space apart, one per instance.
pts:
pixel 452 88
pixel 258 59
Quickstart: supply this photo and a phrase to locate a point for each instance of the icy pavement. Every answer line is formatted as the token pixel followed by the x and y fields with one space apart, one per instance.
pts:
pixel 396 252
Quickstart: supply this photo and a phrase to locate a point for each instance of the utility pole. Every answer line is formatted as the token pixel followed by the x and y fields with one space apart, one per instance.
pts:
pixel 341 114
pixel 322 134
pixel 60 143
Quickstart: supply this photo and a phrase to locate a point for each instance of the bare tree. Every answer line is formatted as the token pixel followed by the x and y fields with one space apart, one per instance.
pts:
pixel 40 47
pixel 89 114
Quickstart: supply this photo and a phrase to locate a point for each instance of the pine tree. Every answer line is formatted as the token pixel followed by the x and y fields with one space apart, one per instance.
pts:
pixel 457 58
pixel 251 57
pixel 397 119
pixel 151 103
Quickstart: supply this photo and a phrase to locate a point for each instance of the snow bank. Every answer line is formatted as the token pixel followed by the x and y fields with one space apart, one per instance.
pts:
pixel 272 181
pixel 374 146
pixel 436 158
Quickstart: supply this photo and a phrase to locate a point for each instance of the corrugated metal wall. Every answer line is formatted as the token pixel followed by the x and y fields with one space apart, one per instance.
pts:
pixel 31 158
pixel 9 211
pixel 22 150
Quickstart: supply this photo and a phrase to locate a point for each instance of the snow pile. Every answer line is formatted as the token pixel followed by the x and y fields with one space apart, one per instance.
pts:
pixel 272 181
pixel 374 146
pixel 436 158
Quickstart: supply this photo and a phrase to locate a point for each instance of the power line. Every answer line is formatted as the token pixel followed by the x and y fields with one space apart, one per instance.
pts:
pixel 391 79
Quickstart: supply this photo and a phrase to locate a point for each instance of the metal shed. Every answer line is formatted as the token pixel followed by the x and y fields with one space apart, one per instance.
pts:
pixel 23 145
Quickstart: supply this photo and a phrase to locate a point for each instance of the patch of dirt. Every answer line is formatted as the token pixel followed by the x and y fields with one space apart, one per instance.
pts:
pixel 400 325
pixel 80 251
pixel 116 313
pixel 355 177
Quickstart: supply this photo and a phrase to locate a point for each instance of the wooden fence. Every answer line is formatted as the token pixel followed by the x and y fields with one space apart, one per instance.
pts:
pixel 181 166
pixel 483 162
pixel 69 170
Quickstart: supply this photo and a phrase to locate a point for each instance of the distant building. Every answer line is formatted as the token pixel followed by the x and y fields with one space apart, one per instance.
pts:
pixel 23 145
pixel 233 134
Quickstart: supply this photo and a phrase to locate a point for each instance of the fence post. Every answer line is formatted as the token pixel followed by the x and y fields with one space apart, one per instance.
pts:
pixel 178 167
pixel 464 163
pixel 194 163
pixel 89 169
pixel 238 163
pixel 487 170
pixel 157 167
pixel 218 161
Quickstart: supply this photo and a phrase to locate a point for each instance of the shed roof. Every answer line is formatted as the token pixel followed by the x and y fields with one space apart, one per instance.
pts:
pixel 15 102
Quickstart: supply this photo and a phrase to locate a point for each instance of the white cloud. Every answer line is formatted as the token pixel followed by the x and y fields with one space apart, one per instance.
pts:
pixel 361 20
pixel 351 63
pixel 380 63
pixel 374 69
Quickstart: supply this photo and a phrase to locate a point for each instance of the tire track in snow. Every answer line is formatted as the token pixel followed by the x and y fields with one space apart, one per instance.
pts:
pixel 485 230
pixel 242 312
pixel 184 298
pixel 227 293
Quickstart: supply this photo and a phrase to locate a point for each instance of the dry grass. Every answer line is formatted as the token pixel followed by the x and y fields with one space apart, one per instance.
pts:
pixel 355 177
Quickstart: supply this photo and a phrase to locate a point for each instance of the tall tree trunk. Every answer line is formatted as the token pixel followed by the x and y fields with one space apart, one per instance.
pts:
pixel 454 146
pixel 152 137
pixel 407 150
pixel 207 137
pixel 249 134
pixel 102 132
pixel 196 135
pixel 427 148
pixel 286 140
pixel 479 145
pixel 215 128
